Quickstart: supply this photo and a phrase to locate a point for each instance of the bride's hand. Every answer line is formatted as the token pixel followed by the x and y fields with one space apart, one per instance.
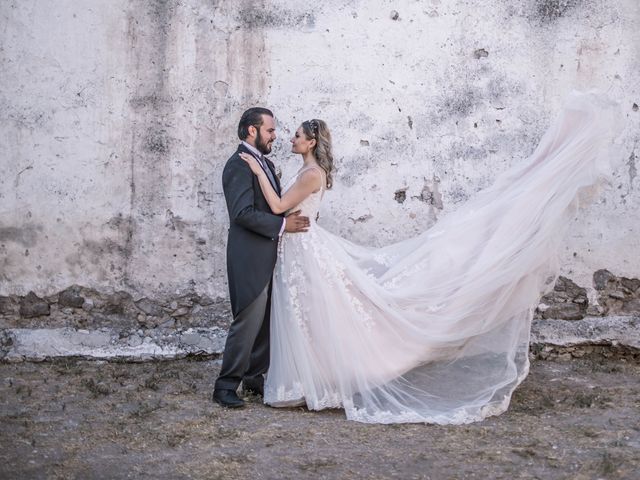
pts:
pixel 253 163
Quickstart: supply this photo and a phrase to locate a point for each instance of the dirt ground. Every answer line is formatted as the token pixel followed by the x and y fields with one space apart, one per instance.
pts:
pixel 573 418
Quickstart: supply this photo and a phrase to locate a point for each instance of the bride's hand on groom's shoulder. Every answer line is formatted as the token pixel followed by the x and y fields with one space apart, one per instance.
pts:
pixel 253 163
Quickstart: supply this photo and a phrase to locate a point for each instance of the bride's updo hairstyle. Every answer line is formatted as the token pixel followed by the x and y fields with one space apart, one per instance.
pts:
pixel 318 130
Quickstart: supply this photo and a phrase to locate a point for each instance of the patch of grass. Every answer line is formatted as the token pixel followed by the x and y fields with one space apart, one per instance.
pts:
pixel 24 390
pixel 175 439
pixel 16 416
pixel 224 432
pixel 152 383
pixel 98 389
pixel 524 452
pixel 187 388
pixel 145 408
pixel 317 465
pixel 68 366
pixel 588 432
pixel 539 402
pixel 607 466
pixel 589 400
pixel 170 373
pixel 239 458
pixel 607 367
pixel 121 374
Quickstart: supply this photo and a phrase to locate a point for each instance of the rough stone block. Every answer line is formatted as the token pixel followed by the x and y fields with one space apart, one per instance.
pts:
pixel 567 301
pixel 180 312
pixel 8 306
pixel 564 311
pixel 618 295
pixel 632 284
pixel 33 306
pixel 149 307
pixel 601 279
pixel 631 307
pixel 70 298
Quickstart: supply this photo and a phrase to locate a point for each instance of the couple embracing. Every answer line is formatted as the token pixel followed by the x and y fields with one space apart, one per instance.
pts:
pixel 431 329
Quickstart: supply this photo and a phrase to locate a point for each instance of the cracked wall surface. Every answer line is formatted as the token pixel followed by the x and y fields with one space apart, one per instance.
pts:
pixel 116 119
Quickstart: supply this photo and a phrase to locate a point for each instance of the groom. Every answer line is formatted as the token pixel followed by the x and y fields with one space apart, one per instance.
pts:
pixel 252 245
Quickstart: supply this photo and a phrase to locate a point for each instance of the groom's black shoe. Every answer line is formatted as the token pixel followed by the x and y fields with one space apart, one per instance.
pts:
pixel 227 398
pixel 253 386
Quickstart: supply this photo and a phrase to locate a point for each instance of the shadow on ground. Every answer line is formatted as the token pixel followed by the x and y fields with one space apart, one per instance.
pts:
pixel 577 418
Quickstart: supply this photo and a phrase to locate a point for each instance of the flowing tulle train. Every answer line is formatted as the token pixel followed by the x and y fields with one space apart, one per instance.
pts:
pixel 435 328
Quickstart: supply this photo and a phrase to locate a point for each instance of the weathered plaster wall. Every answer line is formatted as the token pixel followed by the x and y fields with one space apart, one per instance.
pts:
pixel 117 117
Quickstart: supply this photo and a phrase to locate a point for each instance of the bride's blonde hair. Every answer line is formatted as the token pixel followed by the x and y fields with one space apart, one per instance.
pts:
pixel 318 130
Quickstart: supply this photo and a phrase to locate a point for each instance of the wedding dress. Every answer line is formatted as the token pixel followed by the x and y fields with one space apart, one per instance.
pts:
pixel 435 328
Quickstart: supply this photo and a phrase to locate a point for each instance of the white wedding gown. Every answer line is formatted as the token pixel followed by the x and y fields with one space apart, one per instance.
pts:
pixel 435 328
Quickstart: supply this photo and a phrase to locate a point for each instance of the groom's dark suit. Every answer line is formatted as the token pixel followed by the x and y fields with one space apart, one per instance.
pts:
pixel 251 256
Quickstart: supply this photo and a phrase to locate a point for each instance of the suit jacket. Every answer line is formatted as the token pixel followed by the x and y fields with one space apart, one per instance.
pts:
pixel 254 229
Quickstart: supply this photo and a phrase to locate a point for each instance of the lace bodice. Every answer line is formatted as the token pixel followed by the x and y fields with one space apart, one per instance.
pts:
pixel 310 206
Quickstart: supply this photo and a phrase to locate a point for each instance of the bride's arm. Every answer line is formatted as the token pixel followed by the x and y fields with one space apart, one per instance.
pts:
pixel 306 184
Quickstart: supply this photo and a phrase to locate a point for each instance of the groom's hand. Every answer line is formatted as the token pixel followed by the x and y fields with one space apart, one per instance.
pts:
pixel 295 223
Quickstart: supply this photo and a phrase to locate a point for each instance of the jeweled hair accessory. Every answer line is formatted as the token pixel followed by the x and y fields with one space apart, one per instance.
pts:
pixel 313 125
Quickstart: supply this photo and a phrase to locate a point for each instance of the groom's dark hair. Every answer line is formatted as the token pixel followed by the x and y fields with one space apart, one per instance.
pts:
pixel 251 117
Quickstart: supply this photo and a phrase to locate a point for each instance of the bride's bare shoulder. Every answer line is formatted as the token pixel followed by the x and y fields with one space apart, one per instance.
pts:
pixel 312 176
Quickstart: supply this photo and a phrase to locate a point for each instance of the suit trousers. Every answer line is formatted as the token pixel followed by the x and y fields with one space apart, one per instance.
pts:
pixel 246 351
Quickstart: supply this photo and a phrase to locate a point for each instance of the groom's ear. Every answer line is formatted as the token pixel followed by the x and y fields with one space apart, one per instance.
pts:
pixel 252 130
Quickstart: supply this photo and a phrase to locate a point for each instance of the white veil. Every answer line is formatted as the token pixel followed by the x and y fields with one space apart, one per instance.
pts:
pixel 436 328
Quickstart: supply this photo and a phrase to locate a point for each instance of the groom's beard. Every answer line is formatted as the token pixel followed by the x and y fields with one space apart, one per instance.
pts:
pixel 261 145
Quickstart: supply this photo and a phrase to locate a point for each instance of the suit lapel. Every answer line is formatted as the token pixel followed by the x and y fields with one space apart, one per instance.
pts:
pixel 242 148
pixel 271 167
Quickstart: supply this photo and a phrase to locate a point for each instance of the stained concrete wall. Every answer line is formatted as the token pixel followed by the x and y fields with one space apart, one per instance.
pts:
pixel 116 118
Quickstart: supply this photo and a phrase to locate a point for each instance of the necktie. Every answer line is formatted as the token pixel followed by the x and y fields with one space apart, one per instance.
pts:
pixel 267 170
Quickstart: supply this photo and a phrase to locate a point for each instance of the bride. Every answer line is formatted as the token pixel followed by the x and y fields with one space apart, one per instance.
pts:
pixel 435 328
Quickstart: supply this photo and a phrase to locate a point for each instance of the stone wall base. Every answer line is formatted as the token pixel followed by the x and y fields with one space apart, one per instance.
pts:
pixel 548 337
